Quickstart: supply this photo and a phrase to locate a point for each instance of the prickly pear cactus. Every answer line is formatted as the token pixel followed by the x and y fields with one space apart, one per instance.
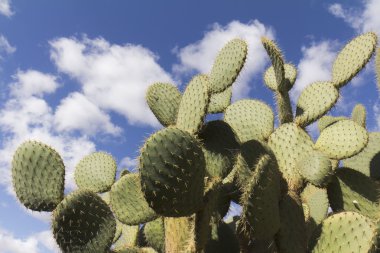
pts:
pixel 295 197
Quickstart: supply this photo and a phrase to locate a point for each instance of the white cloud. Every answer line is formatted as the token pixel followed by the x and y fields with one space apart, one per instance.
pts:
pixel 315 65
pixel 362 20
pixel 76 112
pixel 128 163
pixel 5 46
pixel 28 116
pixel 5 8
pixel 200 55
pixel 113 77
pixel 33 244
pixel 33 83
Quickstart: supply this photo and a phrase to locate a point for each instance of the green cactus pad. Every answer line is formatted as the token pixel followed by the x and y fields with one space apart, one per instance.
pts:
pixel 352 58
pixel 290 75
pixel 163 100
pixel 250 119
pixel 227 65
pixel 194 103
pixel 261 200
pixel 368 160
pixel 172 168
pixel 117 231
pixel 83 222
pixel 347 232
pixel 317 201
pixel 359 115
pixel 128 237
pixel 291 237
pixel 128 202
pixel 220 101
pixel 277 62
pixel 246 161
pixel 38 176
pixel 343 139
pixel 154 233
pixel 352 191
pixel 327 120
pixel 96 172
pixel 314 101
pixel 124 172
pixel 223 240
pixel 316 168
pixel 290 144
pixel 219 146
pixel 136 250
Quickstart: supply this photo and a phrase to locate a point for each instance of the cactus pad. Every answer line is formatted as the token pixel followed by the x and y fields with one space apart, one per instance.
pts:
pixel 38 176
pixel 220 101
pixel 223 240
pixel 290 144
pixel 317 201
pixel 327 120
pixel 343 139
pixel 83 222
pixel 128 237
pixel 219 147
pixel 128 202
pixel 277 62
pixel 261 200
pixel 250 119
pixel 270 77
pixel 316 168
pixel 194 103
pixel 314 101
pixel 352 191
pixel 172 168
pixel 154 233
pixel 227 65
pixel 96 172
pixel 291 237
pixel 163 100
pixel 368 160
pixel 359 115
pixel 352 58
pixel 347 232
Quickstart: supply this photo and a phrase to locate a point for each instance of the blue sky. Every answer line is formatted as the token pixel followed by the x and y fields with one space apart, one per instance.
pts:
pixel 74 73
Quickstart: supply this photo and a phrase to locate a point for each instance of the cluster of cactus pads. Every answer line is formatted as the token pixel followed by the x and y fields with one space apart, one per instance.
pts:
pixel 297 195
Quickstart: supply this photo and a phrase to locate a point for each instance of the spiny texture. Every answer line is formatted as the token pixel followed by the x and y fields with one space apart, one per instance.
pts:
pixel 290 144
pixel 220 101
pixel 314 101
pixel 352 58
pixel 227 65
pixel 128 202
pixel 172 167
pixel 347 232
pixel 193 106
pixel 250 119
pixel 164 99
pixel 368 160
pixel 271 81
pixel 277 61
pixel 83 222
pixel 261 200
pixel 128 237
pixel 154 233
pixel 96 172
pixel 327 120
pixel 343 139
pixel 359 115
pixel 38 176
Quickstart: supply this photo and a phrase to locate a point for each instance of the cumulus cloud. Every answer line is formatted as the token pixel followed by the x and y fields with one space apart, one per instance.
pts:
pixel 37 243
pixel 315 65
pixel 76 112
pixel 5 8
pixel 199 56
pixel 113 77
pixel 5 46
pixel 27 115
pixel 128 163
pixel 363 19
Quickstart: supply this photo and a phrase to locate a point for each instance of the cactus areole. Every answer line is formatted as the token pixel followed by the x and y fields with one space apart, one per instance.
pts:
pixel 190 171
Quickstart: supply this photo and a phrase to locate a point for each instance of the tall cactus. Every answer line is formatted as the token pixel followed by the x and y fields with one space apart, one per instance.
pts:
pixel 190 171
